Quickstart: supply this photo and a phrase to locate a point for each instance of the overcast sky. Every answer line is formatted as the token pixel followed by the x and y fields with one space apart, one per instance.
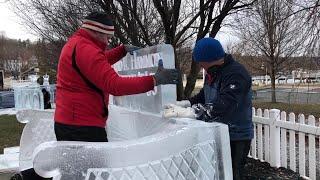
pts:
pixel 10 24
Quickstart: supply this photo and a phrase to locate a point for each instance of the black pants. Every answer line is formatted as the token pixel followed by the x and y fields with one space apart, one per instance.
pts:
pixel 30 174
pixel 80 133
pixel 239 153
pixel 71 133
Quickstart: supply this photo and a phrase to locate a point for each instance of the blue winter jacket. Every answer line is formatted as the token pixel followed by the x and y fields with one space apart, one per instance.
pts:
pixel 228 89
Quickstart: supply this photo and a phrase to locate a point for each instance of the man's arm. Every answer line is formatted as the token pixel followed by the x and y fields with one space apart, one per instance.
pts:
pixel 232 92
pixel 99 72
pixel 115 54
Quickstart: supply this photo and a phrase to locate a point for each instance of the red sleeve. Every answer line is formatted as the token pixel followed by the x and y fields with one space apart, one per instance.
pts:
pixel 92 64
pixel 115 54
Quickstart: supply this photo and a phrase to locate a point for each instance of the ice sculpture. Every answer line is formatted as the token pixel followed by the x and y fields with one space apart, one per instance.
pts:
pixel 38 129
pixel 186 150
pixel 28 96
pixel 143 144
pixel 145 62
pixel 45 80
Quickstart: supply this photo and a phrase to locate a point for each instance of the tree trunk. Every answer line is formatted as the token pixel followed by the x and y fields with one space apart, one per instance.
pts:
pixel 273 85
pixel 191 79
pixel 180 95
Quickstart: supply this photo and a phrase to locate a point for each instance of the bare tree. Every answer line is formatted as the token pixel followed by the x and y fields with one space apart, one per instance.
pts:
pixel 145 22
pixel 47 54
pixel 309 12
pixel 15 55
pixel 211 22
pixel 136 22
pixel 269 30
pixel 169 11
pixel 52 20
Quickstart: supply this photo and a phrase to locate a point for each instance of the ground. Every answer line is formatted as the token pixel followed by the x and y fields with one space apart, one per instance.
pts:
pixel 10 131
pixel 256 170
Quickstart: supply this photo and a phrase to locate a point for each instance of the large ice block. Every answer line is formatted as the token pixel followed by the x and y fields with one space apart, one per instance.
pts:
pixel 181 149
pixel 145 62
pixel 39 129
pixel 143 144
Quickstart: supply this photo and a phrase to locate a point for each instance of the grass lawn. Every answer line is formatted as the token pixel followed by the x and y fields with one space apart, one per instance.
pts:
pixel 10 131
pixel 306 109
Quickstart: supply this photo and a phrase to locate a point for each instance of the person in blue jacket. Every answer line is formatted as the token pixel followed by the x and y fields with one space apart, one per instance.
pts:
pixel 226 98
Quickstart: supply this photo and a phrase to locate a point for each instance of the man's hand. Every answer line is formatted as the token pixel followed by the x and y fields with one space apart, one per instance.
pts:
pixel 204 112
pixel 130 48
pixel 166 76
pixel 199 111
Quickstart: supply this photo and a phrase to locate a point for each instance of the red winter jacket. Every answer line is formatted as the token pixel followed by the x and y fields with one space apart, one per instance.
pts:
pixel 76 102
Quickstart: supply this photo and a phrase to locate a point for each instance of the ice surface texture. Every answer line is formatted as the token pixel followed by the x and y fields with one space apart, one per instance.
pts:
pixel 145 62
pixel 178 149
pixel 9 162
pixel 39 129
pixel 143 144
pixel 28 98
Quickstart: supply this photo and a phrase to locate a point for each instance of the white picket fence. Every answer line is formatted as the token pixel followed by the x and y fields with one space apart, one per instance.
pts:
pixel 287 141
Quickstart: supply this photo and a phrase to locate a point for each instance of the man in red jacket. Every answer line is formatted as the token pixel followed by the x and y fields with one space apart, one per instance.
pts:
pixel 85 79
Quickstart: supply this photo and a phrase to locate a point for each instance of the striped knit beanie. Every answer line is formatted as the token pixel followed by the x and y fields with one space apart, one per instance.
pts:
pixel 100 22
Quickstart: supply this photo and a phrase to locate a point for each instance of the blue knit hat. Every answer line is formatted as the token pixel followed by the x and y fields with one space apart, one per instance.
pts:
pixel 208 50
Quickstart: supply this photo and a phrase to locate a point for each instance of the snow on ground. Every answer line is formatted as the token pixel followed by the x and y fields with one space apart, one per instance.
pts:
pixel 8 111
pixel 9 161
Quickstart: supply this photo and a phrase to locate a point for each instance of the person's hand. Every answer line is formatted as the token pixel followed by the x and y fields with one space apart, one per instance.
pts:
pixel 199 111
pixel 130 48
pixel 172 110
pixel 204 112
pixel 166 76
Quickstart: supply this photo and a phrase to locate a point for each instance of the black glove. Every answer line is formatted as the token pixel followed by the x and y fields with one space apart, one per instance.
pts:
pixel 130 48
pixel 204 112
pixel 166 76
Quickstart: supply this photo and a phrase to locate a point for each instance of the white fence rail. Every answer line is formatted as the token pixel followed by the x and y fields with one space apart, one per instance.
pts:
pixel 287 141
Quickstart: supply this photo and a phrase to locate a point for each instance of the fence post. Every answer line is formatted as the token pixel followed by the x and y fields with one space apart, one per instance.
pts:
pixel 275 139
